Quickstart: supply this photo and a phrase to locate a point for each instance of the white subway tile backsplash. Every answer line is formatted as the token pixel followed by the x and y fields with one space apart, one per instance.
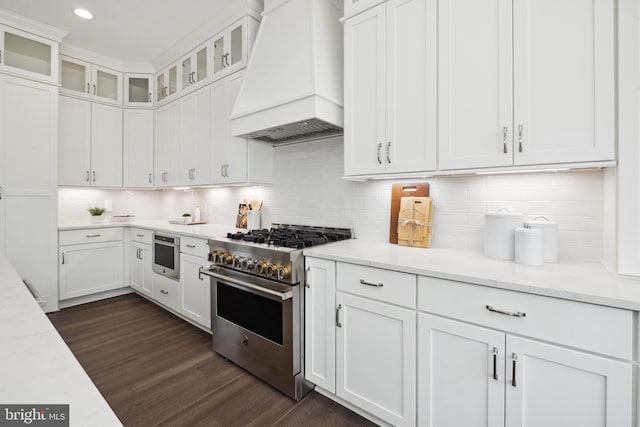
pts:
pixel 308 189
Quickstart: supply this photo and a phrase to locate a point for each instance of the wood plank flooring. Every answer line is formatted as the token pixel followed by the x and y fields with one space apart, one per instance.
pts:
pixel 156 369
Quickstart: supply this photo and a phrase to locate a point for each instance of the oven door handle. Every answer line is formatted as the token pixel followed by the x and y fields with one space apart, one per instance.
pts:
pixel 245 285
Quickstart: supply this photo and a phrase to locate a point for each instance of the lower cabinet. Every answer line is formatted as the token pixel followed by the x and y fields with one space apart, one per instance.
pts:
pixel 166 291
pixel 141 268
pixel 91 261
pixel 195 302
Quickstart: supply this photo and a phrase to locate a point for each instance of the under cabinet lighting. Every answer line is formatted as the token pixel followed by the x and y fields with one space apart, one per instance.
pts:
pixel 83 13
pixel 521 171
pixel 181 188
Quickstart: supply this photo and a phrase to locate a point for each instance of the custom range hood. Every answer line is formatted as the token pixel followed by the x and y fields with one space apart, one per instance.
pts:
pixel 292 89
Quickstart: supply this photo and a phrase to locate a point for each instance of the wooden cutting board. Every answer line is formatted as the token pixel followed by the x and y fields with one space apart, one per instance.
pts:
pixel 414 221
pixel 399 191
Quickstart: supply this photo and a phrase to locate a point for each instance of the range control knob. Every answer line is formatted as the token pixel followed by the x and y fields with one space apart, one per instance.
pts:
pixel 247 264
pixel 213 256
pixel 271 270
pixel 283 273
pixel 261 267
pixel 226 259
pixel 237 262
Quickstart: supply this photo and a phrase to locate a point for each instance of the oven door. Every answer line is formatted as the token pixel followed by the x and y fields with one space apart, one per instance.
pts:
pixel 254 326
pixel 166 259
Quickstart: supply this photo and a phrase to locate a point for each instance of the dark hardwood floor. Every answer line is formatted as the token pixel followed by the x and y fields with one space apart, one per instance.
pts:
pixel 156 369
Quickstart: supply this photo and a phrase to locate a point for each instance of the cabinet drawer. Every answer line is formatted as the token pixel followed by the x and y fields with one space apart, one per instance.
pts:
pixel 141 235
pixel 166 291
pixel 193 246
pixel 383 285
pixel 90 235
pixel 589 327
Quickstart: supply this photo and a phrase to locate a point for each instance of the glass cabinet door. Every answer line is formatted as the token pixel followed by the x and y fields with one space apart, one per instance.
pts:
pixel 28 54
pixel 107 85
pixel 187 74
pixel 172 81
pixel 202 61
pixel 218 54
pixel 235 47
pixel 160 87
pixel 75 77
pixel 195 67
pixel 138 90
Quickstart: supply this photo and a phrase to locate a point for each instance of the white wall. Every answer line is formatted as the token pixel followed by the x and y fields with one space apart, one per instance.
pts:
pixel 308 189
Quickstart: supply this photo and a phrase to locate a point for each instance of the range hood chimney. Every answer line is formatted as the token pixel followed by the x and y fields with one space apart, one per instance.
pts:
pixel 292 89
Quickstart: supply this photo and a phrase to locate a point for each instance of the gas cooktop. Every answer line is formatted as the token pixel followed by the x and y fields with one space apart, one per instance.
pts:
pixel 292 236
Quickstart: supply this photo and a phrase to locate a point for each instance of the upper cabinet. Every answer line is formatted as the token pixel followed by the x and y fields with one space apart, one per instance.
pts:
pixel 138 90
pixel 86 80
pixel 231 47
pixel 167 84
pixel 28 55
pixel 195 68
pixel 390 89
pixel 353 7
pixel 515 87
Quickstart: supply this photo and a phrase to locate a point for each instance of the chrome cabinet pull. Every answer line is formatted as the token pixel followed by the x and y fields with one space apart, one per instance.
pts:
pixel 379 153
pixel 338 324
pixel 94 176
pixel 307 284
pixel 62 257
pixel 199 274
pixel 140 235
pixel 505 130
pixel 88 88
pixel 149 99
pixel 389 152
pixel 191 246
pixel 162 291
pixel 94 89
pixel 495 363
pixel 193 174
pixel 520 130
pixel 375 285
pixel 87 176
pixel 150 181
pixel 507 313
pixel 514 357
pixel 93 235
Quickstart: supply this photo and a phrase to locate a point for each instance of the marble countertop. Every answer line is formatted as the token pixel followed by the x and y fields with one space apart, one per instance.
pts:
pixel 584 282
pixel 37 365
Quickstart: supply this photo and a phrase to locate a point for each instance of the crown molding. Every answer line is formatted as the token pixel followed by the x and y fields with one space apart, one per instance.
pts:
pixel 31 26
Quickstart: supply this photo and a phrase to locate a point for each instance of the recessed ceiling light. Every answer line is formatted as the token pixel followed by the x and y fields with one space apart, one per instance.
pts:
pixel 83 13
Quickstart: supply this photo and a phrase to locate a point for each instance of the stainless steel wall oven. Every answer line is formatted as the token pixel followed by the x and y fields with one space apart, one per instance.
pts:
pixel 166 255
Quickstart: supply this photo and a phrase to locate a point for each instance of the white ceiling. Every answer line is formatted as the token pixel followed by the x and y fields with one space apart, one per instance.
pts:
pixel 126 30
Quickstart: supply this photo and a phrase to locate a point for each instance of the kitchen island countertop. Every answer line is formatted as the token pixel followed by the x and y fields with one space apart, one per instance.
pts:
pixel 576 281
pixel 37 366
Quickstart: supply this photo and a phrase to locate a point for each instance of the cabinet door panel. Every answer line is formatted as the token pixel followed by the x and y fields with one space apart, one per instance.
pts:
pixel 556 386
pixel 375 357
pixel 456 370
pixel 475 99
pixel 106 146
pixel 195 301
pixel 75 77
pixel 320 327
pixel 564 80
pixel 411 86
pixel 138 148
pixel 364 96
pixel 74 147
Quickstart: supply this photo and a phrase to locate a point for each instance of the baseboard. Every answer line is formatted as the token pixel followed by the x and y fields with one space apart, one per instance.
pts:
pixel 94 297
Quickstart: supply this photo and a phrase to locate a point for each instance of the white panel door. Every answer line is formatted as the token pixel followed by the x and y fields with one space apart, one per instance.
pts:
pixel 28 181
pixel 461 374
pixel 90 268
pixel 320 325
pixel 195 301
pixel 376 358
pixel 236 150
pixel 74 142
pixel 475 101
pixel 195 137
pixel 410 86
pixel 106 146
pixel 167 145
pixel 141 268
pixel 564 87
pixel 555 386
pixel 364 92
pixel 138 148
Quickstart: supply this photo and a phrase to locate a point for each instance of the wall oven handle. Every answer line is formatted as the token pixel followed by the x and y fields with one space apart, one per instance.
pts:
pixel 245 285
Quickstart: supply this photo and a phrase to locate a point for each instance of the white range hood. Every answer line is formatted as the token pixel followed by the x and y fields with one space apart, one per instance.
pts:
pixel 292 90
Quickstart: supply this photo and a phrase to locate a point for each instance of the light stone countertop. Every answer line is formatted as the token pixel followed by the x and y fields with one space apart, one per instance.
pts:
pixel 37 366
pixel 583 282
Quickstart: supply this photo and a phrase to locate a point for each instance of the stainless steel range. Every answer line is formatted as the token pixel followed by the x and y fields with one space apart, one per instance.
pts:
pixel 257 303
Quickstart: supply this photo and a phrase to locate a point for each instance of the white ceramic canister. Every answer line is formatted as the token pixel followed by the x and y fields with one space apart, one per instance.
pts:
pixel 549 237
pixel 499 233
pixel 529 248
pixel 253 220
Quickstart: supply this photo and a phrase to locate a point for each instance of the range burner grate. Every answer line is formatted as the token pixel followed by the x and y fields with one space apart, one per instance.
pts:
pixel 292 237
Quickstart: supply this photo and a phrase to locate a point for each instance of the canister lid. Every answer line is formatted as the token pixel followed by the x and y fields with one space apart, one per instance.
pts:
pixel 528 232
pixel 504 213
pixel 541 222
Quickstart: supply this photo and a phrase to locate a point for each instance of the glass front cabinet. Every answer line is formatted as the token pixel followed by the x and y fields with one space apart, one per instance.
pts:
pixel 86 80
pixel 167 83
pixel 230 48
pixel 195 68
pixel 28 55
pixel 138 90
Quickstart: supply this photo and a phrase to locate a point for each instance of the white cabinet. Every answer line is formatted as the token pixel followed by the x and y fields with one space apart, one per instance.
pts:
pixel 138 148
pixel 28 55
pixel 390 89
pixel 516 88
pixel 353 7
pixel 28 182
pixel 167 84
pixel 319 325
pixel 86 80
pixel 230 48
pixel 138 90
pixel 195 68
pixel 580 375
pixel 166 145
pixel 140 268
pixel 195 300
pixel 195 137
pixel 166 291
pixel 91 261
pixel 90 145
pixel 235 160
pixel 376 357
